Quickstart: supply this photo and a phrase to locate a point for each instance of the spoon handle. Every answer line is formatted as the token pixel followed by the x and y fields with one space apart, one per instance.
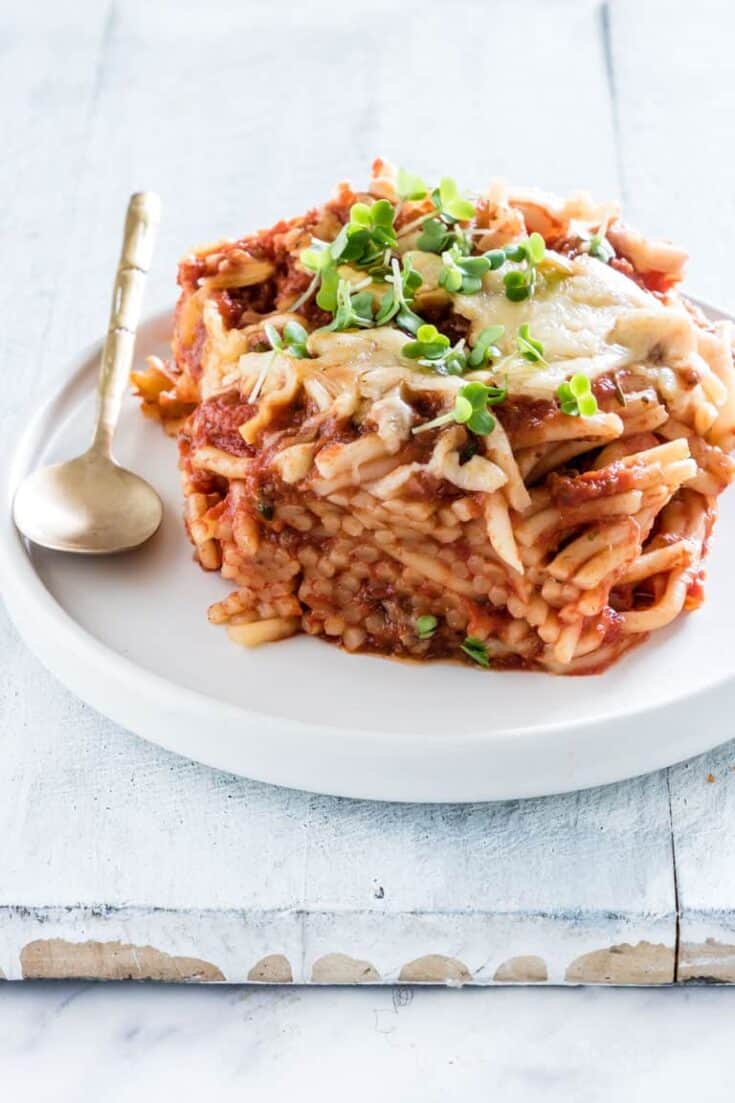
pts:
pixel 141 226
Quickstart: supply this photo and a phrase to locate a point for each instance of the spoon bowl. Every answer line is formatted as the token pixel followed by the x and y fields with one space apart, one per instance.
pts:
pixel 91 505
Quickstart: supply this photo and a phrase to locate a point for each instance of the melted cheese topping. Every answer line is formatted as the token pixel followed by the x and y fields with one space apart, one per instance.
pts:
pixel 364 363
pixel 590 322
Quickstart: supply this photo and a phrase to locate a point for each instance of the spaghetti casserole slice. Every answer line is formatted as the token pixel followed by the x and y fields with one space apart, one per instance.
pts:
pixel 428 425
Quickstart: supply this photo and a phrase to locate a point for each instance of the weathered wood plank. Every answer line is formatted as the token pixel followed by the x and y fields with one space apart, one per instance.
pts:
pixel 703 810
pixel 49 80
pixel 676 105
pixel 146 858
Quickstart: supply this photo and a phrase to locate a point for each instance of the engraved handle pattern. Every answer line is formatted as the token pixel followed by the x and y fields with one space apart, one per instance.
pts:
pixel 141 226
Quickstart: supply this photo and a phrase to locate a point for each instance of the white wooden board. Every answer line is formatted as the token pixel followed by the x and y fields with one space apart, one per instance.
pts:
pixel 118 859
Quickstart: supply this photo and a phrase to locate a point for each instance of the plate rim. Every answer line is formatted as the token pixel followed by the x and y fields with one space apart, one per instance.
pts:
pixel 40 619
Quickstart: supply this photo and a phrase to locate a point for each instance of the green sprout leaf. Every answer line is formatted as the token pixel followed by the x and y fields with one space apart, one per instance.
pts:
pixel 440 231
pixel 360 215
pixel 470 409
pixel 315 260
pixel 476 650
pixel 535 248
pixel 576 398
pixel 435 237
pixel 496 258
pixel 295 338
pixel 528 347
pixel 433 350
pixel 426 627
pixel 450 277
pixel 451 203
pixel 462 273
pixel 327 294
pixel 410 186
pixel 351 311
pixel 369 232
pixel 520 283
pixel 322 264
pixel 517 285
pixel 599 247
pixel 515 251
pixel 396 302
pixel 485 348
pixel 274 337
pixel 430 344
pixel 292 340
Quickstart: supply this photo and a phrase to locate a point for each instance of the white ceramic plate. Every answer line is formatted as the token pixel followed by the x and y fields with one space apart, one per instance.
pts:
pixel 130 636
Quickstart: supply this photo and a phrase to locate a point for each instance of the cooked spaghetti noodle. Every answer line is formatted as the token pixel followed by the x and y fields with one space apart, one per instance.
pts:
pixel 425 425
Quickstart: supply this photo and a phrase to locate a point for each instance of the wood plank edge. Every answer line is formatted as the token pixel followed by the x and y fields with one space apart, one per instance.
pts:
pixel 319 947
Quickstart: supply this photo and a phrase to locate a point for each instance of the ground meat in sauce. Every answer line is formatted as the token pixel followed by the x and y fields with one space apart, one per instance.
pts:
pixel 614 624
pixel 189 356
pixel 518 412
pixel 428 486
pixel 570 491
pixel 244 305
pixel 217 422
pixel 314 315
pixel 605 389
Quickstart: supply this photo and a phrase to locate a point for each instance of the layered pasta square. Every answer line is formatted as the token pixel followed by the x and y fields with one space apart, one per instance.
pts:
pixel 436 425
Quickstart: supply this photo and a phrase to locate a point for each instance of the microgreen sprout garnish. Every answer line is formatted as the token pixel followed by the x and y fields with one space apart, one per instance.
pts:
pixel 462 273
pixel 529 348
pixel 293 343
pixel 263 373
pixel 363 240
pixel 440 231
pixel 395 303
pixel 351 310
pixel 449 203
pixel 426 627
pixel 520 283
pixel 576 397
pixel 477 650
pixel 435 236
pixel 470 409
pixel 599 247
pixel 292 340
pixel 486 347
pixel 410 186
pixel 430 344
pixel 496 258
pixel 322 264
pixel 433 350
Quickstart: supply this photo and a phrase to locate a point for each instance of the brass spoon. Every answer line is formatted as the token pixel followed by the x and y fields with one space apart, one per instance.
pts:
pixel 90 504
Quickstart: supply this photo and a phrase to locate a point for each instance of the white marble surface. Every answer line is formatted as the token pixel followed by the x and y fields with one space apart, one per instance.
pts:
pixel 78 1043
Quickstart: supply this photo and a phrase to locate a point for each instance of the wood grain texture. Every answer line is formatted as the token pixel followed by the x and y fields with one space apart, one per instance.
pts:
pixel 676 105
pixel 107 841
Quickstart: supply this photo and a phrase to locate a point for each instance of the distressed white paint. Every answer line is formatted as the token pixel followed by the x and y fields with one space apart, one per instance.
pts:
pixel 676 111
pixel 106 838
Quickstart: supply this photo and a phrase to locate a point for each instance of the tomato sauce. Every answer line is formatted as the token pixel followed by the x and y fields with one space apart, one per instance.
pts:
pixel 570 491
pixel 217 422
